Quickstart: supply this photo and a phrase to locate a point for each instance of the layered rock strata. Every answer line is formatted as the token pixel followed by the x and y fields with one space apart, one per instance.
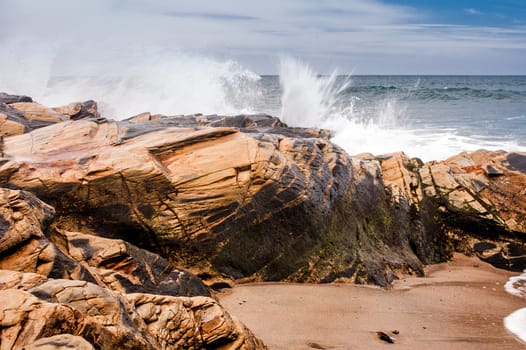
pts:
pixel 248 197
pixel 84 291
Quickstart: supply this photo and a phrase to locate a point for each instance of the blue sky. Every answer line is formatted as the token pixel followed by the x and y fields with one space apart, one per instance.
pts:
pixel 354 36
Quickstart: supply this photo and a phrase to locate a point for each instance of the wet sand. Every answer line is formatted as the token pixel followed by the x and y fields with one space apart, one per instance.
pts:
pixel 459 305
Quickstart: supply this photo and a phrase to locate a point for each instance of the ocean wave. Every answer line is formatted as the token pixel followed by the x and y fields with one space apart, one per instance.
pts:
pixel 442 94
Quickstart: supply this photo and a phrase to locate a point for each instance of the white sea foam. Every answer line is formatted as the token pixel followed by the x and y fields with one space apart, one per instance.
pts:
pixel 311 100
pixel 516 323
pixel 517 285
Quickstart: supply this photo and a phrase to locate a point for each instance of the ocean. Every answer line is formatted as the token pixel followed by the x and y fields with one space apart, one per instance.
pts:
pixel 429 117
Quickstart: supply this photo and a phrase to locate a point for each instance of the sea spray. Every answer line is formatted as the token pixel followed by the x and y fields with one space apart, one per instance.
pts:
pixel 388 114
pixel 516 323
pixel 308 99
pixel 166 83
pixel 375 114
pixel 136 80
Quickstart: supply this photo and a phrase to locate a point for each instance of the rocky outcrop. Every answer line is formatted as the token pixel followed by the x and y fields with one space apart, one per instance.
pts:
pixel 248 197
pixel 78 313
pixel 95 214
pixel 105 280
pixel 113 264
pixel 227 199
pixel 20 114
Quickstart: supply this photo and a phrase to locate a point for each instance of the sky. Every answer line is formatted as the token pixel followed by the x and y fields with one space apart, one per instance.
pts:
pixel 353 36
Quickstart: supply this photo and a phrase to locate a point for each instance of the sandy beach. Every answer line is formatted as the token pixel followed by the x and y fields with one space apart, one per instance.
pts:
pixel 458 305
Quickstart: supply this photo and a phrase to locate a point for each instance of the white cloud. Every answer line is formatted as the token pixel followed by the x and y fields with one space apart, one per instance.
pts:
pixel 353 33
pixel 473 11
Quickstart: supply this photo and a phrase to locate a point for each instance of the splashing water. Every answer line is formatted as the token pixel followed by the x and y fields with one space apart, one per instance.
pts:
pixel 181 84
pixel 366 114
pixel 516 321
pixel 153 80
pixel 307 99
pixel 375 124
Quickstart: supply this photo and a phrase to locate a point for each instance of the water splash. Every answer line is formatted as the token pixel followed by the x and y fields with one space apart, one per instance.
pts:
pixel 139 80
pixel 308 99
pixel 377 122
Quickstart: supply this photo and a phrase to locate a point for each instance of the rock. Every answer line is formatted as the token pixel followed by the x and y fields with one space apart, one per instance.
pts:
pixel 7 99
pixel 217 197
pixel 107 319
pixel 23 245
pixel 18 280
pixel 24 318
pixel 33 306
pixel 385 337
pixel 235 195
pixel 78 314
pixel 79 110
pixel 114 264
pixel 60 342
pixel 38 115
pixel 12 121
pixel 170 319
pixel 19 114
pixel 120 266
pixel 232 197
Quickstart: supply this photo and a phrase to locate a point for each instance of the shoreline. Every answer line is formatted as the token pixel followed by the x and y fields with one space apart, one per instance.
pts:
pixel 460 304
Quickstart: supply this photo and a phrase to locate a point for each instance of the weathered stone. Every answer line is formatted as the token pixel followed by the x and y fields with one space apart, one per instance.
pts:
pixel 114 264
pixel 12 121
pixel 78 314
pixel 107 317
pixel 24 318
pixel 60 342
pixel 234 196
pixel 18 280
pixel 38 115
pixel 79 110
pixel 7 99
pixel 197 322
pixel 120 266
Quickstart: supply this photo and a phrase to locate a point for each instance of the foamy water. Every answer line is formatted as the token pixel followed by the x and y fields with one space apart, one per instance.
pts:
pixel 430 118
pixel 516 321
pixel 389 123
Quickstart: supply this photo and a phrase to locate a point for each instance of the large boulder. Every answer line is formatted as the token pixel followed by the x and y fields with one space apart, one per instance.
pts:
pixel 113 264
pixel 20 114
pixel 39 314
pixel 247 197
pixel 227 199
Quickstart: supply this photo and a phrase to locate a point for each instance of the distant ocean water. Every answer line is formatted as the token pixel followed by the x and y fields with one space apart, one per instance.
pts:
pixel 431 117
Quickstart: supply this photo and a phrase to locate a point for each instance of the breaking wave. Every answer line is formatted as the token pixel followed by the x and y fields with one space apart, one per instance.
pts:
pixel 365 115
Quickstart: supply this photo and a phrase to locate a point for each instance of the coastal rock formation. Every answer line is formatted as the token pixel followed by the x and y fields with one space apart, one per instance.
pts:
pixel 20 114
pixel 113 264
pixel 95 214
pixel 227 199
pixel 79 313
pixel 247 197
pixel 35 309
